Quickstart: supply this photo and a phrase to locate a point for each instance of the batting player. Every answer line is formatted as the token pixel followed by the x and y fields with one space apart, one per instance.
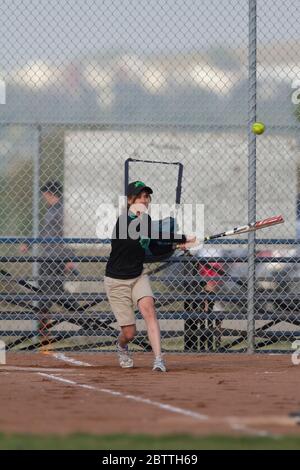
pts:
pixel 125 281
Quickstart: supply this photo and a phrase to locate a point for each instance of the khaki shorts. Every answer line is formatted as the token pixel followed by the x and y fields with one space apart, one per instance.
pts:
pixel 124 294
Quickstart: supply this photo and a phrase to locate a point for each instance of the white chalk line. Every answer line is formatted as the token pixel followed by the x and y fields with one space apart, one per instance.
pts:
pixel 240 427
pixel 31 369
pixel 271 372
pixel 230 421
pixel 235 423
pixel 64 358
pixel 59 356
pixel 147 401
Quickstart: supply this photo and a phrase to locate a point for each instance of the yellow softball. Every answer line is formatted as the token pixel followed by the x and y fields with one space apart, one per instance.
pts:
pixel 258 128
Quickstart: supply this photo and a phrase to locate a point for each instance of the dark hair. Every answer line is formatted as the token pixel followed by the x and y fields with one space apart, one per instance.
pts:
pixel 134 198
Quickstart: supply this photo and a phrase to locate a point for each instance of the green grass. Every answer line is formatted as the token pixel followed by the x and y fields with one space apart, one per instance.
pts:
pixel 145 442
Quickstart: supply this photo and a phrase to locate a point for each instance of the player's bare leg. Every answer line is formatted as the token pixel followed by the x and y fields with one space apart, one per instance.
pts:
pixel 147 309
pixel 127 334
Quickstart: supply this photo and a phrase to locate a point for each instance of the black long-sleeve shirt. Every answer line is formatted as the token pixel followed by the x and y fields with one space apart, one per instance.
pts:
pixel 128 252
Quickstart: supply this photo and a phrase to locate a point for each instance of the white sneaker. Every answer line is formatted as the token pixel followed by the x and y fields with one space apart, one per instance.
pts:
pixel 159 365
pixel 124 356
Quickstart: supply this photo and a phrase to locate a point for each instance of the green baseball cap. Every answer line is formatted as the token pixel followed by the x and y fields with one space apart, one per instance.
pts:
pixel 135 188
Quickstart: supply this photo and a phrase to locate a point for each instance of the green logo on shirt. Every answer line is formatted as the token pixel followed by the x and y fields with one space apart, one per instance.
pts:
pixel 145 242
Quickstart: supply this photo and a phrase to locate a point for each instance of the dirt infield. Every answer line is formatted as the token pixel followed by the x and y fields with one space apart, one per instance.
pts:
pixel 221 394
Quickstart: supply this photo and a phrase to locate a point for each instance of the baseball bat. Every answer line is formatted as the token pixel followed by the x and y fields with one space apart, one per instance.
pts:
pixel 260 224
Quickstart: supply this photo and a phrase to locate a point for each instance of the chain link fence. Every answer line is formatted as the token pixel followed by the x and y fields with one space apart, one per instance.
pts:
pixel 97 93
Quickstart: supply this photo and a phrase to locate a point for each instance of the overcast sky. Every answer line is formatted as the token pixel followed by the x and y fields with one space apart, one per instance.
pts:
pixel 56 29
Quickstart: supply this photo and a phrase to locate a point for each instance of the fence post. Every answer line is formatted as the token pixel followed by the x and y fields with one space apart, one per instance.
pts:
pixel 251 175
pixel 36 204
